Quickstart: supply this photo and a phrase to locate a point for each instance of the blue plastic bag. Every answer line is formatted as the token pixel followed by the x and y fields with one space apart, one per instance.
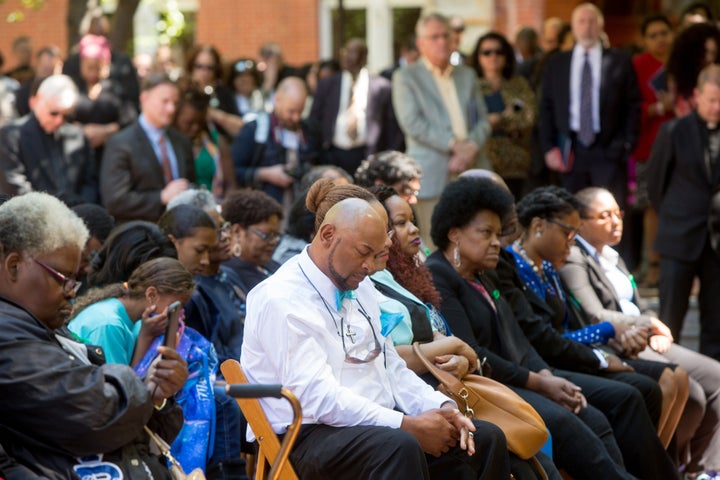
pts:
pixel 193 445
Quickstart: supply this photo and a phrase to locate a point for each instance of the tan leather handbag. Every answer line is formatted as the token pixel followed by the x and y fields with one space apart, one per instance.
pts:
pixel 485 399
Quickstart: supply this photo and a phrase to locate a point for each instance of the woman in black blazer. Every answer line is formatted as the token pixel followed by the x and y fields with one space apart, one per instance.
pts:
pixel 466 226
pixel 550 220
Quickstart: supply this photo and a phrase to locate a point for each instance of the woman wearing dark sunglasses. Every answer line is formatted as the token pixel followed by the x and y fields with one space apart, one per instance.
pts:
pixel 204 72
pixel 511 106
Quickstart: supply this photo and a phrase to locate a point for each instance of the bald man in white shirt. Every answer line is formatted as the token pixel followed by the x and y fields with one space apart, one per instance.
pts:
pixel 314 327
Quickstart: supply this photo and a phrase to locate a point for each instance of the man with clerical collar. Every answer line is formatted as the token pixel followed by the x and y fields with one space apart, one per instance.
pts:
pixel 366 415
pixel 41 151
pixel 683 179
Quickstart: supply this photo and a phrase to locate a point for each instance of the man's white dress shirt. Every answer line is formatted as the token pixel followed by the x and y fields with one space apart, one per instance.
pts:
pixel 291 339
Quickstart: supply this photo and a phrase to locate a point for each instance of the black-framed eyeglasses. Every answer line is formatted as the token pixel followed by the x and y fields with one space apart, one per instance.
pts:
pixel 372 354
pixel 266 237
pixel 70 286
pixel 606 215
pixel 570 232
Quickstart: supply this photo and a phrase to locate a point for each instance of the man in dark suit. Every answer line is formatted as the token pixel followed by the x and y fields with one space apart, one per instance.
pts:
pixel 590 103
pixel 683 175
pixel 40 151
pixel 274 151
pixel 354 111
pixel 147 163
pixel 409 54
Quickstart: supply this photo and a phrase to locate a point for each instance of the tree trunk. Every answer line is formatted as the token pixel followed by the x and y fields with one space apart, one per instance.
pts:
pixel 122 27
pixel 75 13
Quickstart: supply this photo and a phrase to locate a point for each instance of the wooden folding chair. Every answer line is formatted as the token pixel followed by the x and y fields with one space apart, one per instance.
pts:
pixel 270 451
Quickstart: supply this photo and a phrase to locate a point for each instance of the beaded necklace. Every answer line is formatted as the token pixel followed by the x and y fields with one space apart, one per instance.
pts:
pixel 521 250
pixel 543 279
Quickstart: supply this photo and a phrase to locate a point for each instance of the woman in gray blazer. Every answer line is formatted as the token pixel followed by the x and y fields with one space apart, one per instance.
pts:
pixel 607 292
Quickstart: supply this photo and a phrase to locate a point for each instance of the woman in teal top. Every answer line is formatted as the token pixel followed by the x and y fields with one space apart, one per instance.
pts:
pixel 213 164
pixel 410 314
pixel 106 316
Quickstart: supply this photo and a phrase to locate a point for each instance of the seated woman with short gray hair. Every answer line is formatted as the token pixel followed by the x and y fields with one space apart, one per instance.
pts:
pixel 63 409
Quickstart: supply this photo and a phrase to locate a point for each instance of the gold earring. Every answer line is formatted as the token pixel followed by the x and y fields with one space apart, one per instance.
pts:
pixel 456 256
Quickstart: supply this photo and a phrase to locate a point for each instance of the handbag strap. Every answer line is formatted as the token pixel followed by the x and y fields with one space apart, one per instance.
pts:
pixel 163 446
pixel 445 378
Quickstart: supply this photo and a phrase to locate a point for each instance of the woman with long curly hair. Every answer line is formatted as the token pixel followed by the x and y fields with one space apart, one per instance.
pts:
pixel 412 312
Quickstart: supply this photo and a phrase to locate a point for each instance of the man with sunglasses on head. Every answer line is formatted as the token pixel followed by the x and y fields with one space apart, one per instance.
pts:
pixel 366 415
pixel 43 152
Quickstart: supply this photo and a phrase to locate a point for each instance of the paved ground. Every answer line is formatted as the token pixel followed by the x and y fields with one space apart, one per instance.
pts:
pixel 691 328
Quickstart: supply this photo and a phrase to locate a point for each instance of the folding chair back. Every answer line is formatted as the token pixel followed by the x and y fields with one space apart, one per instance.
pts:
pixel 270 451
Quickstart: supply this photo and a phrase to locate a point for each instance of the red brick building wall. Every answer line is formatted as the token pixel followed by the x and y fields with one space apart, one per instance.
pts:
pixel 238 28
pixel 45 26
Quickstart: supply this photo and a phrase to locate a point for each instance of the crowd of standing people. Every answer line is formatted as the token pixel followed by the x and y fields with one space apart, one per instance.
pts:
pixel 500 209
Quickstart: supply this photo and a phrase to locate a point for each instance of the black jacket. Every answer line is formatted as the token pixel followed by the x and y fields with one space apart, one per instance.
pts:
pixel 493 334
pixel 61 164
pixel 255 147
pixel 620 102
pixel 217 314
pixel 681 188
pixel 535 319
pixel 131 177
pixel 55 408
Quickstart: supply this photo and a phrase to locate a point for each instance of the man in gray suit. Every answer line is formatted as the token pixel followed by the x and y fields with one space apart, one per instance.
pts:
pixel 442 113
pixel 147 163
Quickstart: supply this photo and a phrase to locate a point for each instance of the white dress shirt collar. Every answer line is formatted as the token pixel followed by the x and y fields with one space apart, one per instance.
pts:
pixel 325 287
pixel 589 248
